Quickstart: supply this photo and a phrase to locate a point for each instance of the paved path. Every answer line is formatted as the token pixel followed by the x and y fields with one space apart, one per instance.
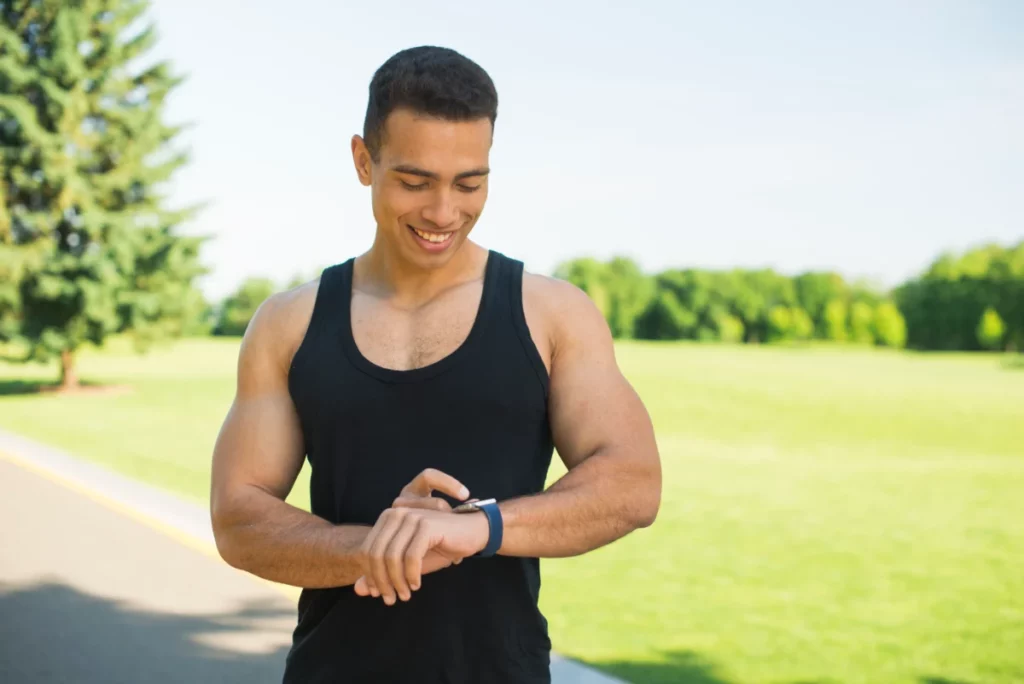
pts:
pixel 106 580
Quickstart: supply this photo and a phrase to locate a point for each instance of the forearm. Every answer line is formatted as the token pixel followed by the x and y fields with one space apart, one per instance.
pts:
pixel 594 504
pixel 261 534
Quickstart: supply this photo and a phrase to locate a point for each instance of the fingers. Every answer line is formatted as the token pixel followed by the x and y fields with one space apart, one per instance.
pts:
pixel 429 502
pixel 418 547
pixel 376 545
pixel 431 480
pixel 431 562
pixel 395 556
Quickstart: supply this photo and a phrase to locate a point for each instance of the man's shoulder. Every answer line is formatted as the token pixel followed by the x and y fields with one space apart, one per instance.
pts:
pixel 281 321
pixel 557 296
pixel 561 308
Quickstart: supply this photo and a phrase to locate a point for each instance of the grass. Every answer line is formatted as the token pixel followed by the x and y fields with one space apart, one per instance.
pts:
pixel 829 515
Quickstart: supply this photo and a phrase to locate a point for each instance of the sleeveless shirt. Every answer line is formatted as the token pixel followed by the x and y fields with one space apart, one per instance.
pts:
pixel 479 415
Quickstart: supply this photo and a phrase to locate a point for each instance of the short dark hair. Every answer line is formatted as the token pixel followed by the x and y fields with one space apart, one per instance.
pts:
pixel 429 80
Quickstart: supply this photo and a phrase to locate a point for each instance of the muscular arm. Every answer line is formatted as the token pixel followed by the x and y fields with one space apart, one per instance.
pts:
pixel 602 432
pixel 257 456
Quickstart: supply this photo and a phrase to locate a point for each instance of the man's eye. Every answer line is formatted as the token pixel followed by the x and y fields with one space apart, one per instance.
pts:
pixel 410 186
pixel 469 188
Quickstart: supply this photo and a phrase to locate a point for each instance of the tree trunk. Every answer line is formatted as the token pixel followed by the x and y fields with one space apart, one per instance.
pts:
pixel 68 374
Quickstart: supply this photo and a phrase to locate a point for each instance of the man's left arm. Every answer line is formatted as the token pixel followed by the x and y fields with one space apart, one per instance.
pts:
pixel 604 435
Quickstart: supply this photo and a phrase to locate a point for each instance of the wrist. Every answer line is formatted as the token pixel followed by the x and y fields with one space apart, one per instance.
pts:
pixel 488 511
pixel 482 529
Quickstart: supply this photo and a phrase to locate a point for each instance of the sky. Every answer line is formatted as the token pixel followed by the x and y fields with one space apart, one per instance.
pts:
pixel 861 137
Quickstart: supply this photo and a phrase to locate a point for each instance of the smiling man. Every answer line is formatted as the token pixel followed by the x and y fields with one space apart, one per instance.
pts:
pixel 421 373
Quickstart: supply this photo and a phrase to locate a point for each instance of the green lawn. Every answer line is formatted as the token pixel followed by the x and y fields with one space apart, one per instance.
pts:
pixel 829 515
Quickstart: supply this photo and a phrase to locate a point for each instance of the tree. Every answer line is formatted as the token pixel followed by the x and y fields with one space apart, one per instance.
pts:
pixel 814 291
pixel 729 328
pixel 87 246
pixel 991 329
pixel 629 293
pixel 802 327
pixel 862 318
pixel 590 276
pixel 665 318
pixel 780 323
pixel 889 328
pixel 944 307
pixel 835 321
pixel 238 309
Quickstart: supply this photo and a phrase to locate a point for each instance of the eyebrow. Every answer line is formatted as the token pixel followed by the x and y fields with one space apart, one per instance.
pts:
pixel 414 171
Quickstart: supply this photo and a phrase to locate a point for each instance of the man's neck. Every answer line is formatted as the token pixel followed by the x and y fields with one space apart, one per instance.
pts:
pixel 383 273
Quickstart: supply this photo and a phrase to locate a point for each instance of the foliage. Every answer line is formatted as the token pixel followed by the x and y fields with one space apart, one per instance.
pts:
pixel 991 329
pixel 946 308
pixel 943 308
pixel 726 306
pixel 862 319
pixel 88 246
pixel 239 308
pixel 835 321
pixel 619 289
pixel 888 327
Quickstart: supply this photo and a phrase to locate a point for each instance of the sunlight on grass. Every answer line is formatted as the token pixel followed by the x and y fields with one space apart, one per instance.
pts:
pixel 828 514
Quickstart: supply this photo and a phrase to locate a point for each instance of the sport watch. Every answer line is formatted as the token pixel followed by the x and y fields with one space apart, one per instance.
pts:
pixel 488 507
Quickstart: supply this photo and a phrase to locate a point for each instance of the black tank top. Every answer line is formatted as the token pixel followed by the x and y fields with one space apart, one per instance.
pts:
pixel 480 415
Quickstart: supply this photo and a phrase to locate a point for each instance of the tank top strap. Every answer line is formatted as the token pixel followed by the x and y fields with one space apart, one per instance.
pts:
pixel 324 320
pixel 509 287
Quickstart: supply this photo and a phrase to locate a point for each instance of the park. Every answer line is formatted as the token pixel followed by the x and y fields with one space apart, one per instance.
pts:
pixel 842 453
pixel 830 514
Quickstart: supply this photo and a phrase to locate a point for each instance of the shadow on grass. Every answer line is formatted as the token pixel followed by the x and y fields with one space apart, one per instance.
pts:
pixel 85 388
pixel 12 387
pixel 689 667
pixel 1013 362
pixel 678 667
pixel 54 633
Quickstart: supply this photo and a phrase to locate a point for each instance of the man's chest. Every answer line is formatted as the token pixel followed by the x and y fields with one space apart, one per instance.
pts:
pixel 403 340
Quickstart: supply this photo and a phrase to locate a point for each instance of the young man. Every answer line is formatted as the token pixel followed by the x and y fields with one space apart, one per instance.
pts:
pixel 428 364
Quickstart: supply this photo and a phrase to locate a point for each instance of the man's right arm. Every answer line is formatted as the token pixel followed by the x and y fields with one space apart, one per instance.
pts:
pixel 257 456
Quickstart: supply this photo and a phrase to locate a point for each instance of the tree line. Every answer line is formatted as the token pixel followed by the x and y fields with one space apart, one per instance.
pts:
pixel 964 302
pixel 89 246
pixel 961 302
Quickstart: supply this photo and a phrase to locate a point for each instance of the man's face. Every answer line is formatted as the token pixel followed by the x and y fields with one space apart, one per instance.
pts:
pixel 429 185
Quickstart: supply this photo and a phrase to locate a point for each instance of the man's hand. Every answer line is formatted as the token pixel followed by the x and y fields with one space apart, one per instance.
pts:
pixel 418 494
pixel 407 543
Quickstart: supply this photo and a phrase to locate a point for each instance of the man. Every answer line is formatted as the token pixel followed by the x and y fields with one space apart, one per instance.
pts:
pixel 427 364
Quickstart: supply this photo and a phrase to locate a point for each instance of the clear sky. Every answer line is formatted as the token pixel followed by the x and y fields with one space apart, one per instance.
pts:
pixel 864 137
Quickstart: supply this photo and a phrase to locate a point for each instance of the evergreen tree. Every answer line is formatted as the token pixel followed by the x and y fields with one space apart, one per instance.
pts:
pixel 87 246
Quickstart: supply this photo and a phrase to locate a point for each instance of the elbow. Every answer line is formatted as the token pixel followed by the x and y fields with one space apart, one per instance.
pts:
pixel 225 549
pixel 645 516
pixel 224 536
pixel 646 504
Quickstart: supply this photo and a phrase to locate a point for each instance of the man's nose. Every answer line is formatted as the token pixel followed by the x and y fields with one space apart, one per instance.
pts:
pixel 442 211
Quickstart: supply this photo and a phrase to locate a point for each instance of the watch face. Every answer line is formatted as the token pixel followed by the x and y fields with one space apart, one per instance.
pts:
pixel 471 506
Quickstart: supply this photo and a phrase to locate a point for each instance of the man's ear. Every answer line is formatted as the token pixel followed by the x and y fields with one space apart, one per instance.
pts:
pixel 362 160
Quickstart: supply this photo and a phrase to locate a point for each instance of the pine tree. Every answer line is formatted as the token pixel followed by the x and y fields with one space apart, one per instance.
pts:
pixel 87 246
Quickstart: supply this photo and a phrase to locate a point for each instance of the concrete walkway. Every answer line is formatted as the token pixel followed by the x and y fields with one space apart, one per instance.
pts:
pixel 104 579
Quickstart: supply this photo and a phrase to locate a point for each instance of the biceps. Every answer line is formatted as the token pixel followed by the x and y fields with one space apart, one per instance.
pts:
pixel 260 445
pixel 594 407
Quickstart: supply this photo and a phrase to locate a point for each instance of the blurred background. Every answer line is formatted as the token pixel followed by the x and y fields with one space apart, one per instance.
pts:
pixel 804 223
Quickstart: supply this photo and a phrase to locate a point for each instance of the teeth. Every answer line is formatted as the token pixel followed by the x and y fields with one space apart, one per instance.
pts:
pixel 432 237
